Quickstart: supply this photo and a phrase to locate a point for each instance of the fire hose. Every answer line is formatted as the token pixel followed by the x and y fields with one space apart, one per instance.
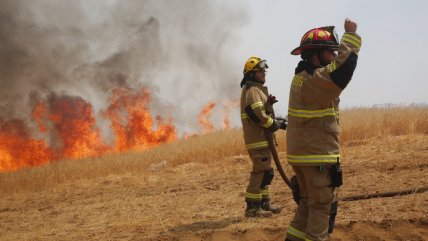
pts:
pixel 385 194
pixel 272 147
pixel 269 137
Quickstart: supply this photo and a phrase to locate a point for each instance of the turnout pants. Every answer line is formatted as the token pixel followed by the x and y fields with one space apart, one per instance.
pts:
pixel 311 219
pixel 261 175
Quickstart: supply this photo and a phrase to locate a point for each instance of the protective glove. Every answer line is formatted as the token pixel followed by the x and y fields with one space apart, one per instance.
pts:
pixel 275 125
pixel 283 123
pixel 271 100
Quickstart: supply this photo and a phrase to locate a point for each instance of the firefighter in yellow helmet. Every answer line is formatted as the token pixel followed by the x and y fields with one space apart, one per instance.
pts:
pixel 313 125
pixel 257 116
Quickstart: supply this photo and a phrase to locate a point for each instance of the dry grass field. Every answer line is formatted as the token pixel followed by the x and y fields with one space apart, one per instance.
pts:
pixel 193 189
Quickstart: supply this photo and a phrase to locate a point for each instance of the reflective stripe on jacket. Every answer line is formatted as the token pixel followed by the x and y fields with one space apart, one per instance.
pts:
pixel 255 115
pixel 313 112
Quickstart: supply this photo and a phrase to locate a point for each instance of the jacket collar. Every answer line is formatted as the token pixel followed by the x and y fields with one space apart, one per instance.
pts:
pixel 250 83
pixel 306 66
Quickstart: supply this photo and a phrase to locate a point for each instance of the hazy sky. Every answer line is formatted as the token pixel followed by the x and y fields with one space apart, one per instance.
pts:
pixel 391 61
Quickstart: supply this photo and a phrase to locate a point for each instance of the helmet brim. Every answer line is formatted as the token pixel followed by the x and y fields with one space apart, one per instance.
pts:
pixel 300 49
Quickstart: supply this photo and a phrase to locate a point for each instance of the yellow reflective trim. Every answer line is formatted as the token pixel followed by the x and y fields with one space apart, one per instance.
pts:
pixel 311 113
pixel 296 233
pixel 313 158
pixel 356 39
pixel 265 192
pixel 297 80
pixel 254 196
pixel 257 145
pixel 244 116
pixel 256 105
pixel 352 40
pixel 332 66
pixel 268 123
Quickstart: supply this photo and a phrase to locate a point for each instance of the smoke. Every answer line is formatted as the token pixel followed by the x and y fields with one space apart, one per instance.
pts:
pixel 179 50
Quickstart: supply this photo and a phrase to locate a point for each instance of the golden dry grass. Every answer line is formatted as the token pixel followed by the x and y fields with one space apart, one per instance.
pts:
pixel 357 124
pixel 193 149
pixel 365 123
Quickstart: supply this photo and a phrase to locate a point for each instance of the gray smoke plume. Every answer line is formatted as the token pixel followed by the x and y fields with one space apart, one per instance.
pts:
pixel 177 49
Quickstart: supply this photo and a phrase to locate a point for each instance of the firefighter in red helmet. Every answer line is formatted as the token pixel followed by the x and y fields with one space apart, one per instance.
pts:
pixel 312 136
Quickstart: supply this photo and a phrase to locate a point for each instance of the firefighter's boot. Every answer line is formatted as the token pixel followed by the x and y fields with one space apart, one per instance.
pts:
pixel 267 206
pixel 254 210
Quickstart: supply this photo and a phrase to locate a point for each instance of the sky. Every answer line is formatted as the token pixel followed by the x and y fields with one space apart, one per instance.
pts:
pixel 391 61
pixel 189 53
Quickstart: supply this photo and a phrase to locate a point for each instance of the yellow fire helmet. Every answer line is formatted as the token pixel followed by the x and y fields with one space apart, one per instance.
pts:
pixel 254 63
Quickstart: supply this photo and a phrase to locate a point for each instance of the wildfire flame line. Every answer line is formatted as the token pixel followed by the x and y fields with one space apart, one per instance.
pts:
pixel 68 129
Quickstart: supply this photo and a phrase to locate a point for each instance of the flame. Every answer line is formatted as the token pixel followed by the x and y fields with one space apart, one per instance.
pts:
pixel 206 113
pixel 227 106
pixel 69 125
pixel 203 117
pixel 18 149
pixel 66 128
pixel 73 123
pixel 39 111
pixel 132 122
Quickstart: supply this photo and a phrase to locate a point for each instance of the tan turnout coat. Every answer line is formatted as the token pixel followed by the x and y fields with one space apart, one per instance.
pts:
pixel 313 112
pixel 254 97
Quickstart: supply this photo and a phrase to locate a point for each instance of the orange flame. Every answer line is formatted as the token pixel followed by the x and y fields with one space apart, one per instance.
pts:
pixel 39 111
pixel 71 128
pixel 207 111
pixel 73 123
pixel 18 149
pixel 132 122
pixel 203 117
pixel 227 106
pixel 68 125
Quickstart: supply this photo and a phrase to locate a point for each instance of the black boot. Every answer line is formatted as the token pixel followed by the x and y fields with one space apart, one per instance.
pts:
pixel 267 206
pixel 254 210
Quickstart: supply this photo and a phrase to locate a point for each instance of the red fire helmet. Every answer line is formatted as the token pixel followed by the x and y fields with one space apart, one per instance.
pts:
pixel 323 37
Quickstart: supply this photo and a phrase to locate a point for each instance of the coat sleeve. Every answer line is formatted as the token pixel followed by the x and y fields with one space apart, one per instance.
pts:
pixel 333 78
pixel 254 108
